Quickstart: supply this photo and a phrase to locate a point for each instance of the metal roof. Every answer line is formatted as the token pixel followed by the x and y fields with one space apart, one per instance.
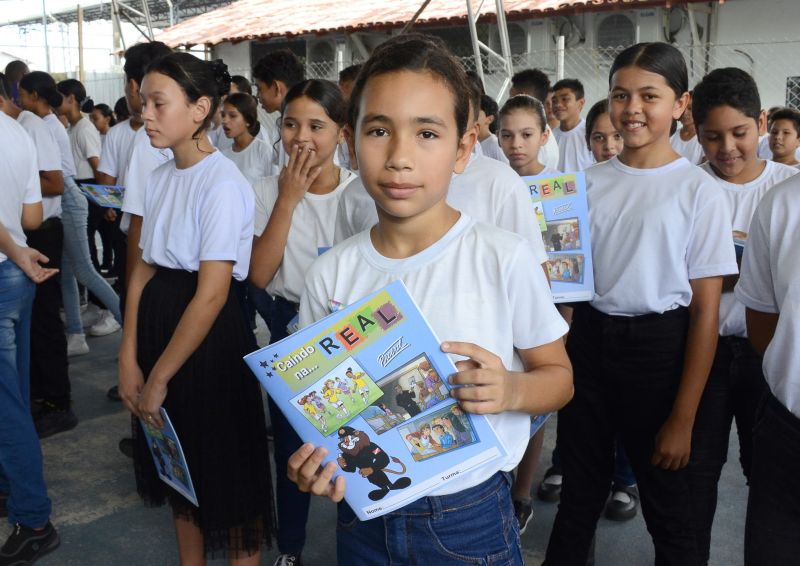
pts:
pixel 265 19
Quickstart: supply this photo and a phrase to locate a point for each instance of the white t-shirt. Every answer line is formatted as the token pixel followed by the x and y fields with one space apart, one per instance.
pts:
pixel 62 140
pixel 20 177
pixel 764 152
pixel 48 157
pixel 549 153
pixel 255 161
pixel 690 149
pixel 574 154
pixel 202 213
pixel 491 148
pixel 742 202
pixel 770 283
pixel 117 151
pixel 310 235
pixel 489 191
pixel 269 125
pixel 653 230
pixel 143 161
pixel 475 277
pixel 84 139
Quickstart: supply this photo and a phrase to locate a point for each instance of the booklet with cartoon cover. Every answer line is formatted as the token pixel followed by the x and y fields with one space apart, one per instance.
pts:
pixel 107 196
pixel 168 457
pixel 369 382
pixel 562 211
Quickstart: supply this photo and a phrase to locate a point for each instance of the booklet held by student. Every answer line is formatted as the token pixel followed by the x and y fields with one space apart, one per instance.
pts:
pixel 168 457
pixel 562 212
pixel 369 383
pixel 107 196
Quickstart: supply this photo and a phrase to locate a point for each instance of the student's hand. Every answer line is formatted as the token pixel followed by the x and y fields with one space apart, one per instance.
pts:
pixel 673 445
pixel 482 384
pixel 29 260
pixel 304 470
pixel 150 401
pixel 296 178
pixel 131 382
pixel 110 214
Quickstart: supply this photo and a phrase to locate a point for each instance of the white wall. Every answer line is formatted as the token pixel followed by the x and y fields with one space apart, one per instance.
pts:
pixel 236 56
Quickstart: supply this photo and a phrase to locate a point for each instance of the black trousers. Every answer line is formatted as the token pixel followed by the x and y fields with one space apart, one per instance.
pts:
pixel 626 373
pixel 734 389
pixel 773 505
pixel 49 366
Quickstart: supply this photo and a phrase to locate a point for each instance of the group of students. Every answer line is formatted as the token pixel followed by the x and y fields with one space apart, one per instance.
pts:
pixel 393 174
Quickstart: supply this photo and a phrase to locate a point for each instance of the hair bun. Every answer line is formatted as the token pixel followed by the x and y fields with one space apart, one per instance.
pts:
pixel 87 106
pixel 221 76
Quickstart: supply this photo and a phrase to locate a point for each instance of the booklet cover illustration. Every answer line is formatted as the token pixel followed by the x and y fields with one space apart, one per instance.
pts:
pixel 369 382
pixel 107 196
pixel 562 212
pixel 168 457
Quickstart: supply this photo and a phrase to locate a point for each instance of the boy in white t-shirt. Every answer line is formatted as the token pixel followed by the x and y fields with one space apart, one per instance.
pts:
pixel 488 126
pixel 769 290
pixel 448 261
pixel 727 111
pixel 567 103
pixel 784 136
pixel 685 141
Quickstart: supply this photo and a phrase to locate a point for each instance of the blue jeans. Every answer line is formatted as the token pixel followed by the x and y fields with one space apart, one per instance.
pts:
pixel 20 455
pixel 77 262
pixel 474 526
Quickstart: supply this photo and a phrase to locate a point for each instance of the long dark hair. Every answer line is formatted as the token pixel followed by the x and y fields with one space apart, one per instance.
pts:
pixel 525 102
pixel 656 57
pixel 44 86
pixel 197 78
pixel 325 93
pixel 121 109
pixel 598 109
pixel 245 104
pixel 105 110
pixel 421 53
pixel 75 88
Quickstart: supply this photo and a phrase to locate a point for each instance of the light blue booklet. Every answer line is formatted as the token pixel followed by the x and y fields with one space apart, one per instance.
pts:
pixel 562 212
pixel 369 382
pixel 168 457
pixel 107 196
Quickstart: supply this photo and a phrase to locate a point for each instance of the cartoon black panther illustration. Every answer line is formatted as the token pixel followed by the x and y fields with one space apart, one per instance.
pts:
pixel 359 453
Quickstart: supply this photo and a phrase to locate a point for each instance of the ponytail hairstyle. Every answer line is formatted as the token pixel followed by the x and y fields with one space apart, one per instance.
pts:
pixel 245 104
pixel 105 110
pixel 75 88
pixel 598 109
pixel 525 102
pixel 121 109
pixel 197 78
pixel 325 93
pixel 42 85
pixel 420 53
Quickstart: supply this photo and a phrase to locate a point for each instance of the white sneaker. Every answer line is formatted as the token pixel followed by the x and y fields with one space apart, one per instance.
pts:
pixel 76 345
pixel 105 325
pixel 91 316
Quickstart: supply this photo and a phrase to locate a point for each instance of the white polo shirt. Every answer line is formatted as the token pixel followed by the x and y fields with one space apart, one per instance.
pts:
pixel 202 213
pixel 653 230
pixel 770 283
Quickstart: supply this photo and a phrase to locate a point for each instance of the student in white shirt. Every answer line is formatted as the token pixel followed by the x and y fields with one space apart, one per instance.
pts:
pixel 567 103
pixel 768 288
pixel 24 491
pixel 685 141
pixel 252 156
pixel 411 119
pixel 643 348
pixel 185 333
pixel 103 119
pixel 488 127
pixel 294 224
pixel 521 125
pixel 784 136
pixel 727 111
pixel 535 83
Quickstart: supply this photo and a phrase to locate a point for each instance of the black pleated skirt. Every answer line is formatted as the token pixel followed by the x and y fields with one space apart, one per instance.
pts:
pixel 215 405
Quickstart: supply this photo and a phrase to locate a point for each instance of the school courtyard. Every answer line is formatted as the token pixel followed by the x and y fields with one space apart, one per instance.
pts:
pixel 102 521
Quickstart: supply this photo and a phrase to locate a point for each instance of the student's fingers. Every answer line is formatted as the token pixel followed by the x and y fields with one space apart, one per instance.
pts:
pixel 305 164
pixel 322 484
pixel 477 393
pixel 308 471
pixel 297 459
pixel 47 274
pixel 479 407
pixel 465 365
pixel 473 351
pixel 477 376
pixel 293 157
pixel 313 176
pixel 338 490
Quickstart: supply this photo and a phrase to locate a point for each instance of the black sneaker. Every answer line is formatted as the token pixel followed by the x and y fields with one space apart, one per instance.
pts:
pixel 623 503
pixel 3 505
pixel 126 447
pixel 550 488
pixel 288 560
pixel 524 513
pixel 52 420
pixel 25 545
pixel 113 394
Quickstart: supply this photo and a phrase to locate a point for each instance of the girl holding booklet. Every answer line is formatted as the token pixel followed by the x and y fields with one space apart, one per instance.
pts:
pixel 409 113
pixel 185 334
